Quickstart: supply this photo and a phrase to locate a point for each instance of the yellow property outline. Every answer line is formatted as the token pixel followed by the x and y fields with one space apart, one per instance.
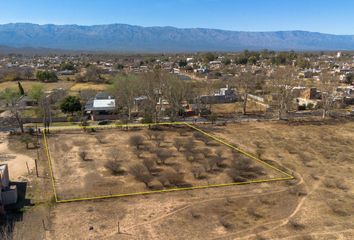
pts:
pixel 218 139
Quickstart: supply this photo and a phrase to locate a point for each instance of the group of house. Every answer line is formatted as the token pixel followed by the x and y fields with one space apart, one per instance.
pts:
pixel 104 104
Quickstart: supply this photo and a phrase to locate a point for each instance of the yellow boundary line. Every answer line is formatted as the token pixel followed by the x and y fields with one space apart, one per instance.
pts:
pixel 288 176
pixel 50 166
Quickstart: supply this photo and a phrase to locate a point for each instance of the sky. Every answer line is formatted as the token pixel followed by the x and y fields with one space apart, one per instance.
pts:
pixel 326 16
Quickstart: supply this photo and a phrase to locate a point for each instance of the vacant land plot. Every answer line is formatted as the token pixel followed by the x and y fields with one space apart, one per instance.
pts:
pixel 318 204
pixel 139 159
pixel 28 84
pixel 232 108
pixel 76 87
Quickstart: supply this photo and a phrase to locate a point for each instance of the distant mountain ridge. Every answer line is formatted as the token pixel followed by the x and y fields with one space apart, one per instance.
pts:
pixel 129 38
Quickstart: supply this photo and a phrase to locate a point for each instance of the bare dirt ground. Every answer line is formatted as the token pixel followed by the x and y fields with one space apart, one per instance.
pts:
pixel 192 159
pixel 318 204
pixel 15 161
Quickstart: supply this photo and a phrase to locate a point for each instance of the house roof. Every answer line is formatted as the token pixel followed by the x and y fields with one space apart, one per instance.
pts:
pixel 104 103
pixel 100 105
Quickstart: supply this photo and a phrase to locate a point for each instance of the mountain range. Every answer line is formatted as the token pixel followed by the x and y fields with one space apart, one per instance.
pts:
pixel 129 38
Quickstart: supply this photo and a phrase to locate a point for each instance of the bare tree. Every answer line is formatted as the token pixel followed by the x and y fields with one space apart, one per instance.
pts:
pixel 246 84
pixel 163 155
pixel 136 141
pixel 149 164
pixel 126 88
pixel 328 86
pixel 178 144
pixel 141 173
pixel 281 86
pixel 174 90
pixel 115 166
pixel 114 154
pixel 198 172
pixel 83 155
pixel 11 97
pixel 159 138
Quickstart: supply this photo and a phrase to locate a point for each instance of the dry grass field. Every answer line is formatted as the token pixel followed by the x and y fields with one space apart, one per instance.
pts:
pixel 71 86
pixel 232 108
pixel 106 162
pixel 28 84
pixel 318 204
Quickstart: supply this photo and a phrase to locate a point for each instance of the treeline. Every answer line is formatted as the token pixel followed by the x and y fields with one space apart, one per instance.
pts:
pixel 271 57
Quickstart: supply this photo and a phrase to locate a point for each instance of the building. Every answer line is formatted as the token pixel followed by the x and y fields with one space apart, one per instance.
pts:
pixel 222 95
pixel 101 104
pixel 8 192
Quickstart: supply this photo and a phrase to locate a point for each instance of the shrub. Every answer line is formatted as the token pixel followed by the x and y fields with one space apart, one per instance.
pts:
pixel 242 169
pixel 176 179
pixel 159 138
pixel 198 172
pixel 209 164
pixel 136 141
pixel 141 173
pixel 178 144
pixel 138 153
pixel 149 134
pixel 115 167
pixel 83 155
pixel 190 145
pixel 163 155
pixel 149 164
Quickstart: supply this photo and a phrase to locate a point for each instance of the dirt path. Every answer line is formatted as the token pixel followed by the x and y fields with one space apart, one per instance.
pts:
pixel 16 162
pixel 149 223
pixel 286 220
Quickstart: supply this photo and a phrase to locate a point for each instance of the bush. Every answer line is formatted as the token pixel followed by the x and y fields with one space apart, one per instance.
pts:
pixel 190 145
pixel 149 164
pixel 242 170
pixel 136 141
pixel 141 173
pixel 83 155
pixel 115 167
pixel 159 138
pixel 163 155
pixel 176 179
pixel 198 173
pixel 209 164
pixel 178 144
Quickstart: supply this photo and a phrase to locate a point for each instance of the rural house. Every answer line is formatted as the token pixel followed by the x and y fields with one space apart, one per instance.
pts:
pixel 101 104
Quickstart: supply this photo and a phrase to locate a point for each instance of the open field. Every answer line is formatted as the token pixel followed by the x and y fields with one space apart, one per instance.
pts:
pixel 71 86
pixel 135 160
pixel 28 84
pixel 318 204
pixel 232 108
pixel 89 86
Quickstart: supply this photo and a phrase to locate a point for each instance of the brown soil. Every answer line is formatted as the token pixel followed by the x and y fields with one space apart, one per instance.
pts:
pixel 319 204
pixel 77 177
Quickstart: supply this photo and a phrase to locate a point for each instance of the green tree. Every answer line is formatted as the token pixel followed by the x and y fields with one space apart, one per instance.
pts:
pixel 67 66
pixel 213 117
pixel 70 104
pixel 349 78
pixel 46 76
pixel 182 63
pixel 36 92
pixel 226 61
pixel 20 88
pixel 209 57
